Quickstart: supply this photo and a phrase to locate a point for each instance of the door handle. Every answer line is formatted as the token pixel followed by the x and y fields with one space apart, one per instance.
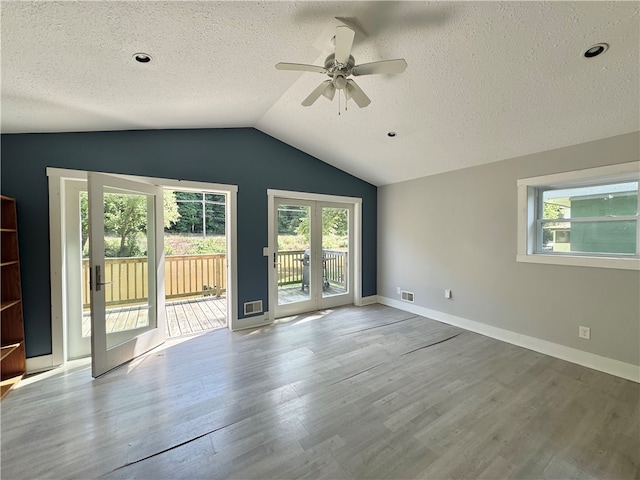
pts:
pixel 99 281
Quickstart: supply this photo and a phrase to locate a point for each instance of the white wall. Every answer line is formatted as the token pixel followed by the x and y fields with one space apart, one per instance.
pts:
pixel 457 230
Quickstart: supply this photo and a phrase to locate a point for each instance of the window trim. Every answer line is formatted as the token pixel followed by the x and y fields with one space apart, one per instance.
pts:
pixel 527 206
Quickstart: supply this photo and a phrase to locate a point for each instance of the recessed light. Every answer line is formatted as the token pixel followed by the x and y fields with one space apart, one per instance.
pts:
pixel 391 134
pixel 596 50
pixel 142 57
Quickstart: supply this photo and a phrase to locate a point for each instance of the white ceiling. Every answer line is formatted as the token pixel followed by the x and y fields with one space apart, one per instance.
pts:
pixel 485 81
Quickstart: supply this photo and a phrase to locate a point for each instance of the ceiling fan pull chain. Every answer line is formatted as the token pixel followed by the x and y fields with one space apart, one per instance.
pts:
pixel 338 102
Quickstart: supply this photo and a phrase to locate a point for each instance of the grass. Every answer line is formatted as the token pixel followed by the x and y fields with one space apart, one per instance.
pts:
pixel 196 245
pixel 300 242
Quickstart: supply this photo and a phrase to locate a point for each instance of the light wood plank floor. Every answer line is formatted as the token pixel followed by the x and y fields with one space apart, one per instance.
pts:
pixel 370 392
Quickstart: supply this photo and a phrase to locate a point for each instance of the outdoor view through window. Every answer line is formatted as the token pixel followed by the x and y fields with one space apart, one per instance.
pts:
pixel 195 261
pixel 599 219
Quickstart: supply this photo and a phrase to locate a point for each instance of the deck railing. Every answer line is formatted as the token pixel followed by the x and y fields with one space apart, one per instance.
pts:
pixel 185 276
pixel 335 267
pixel 291 266
pixel 193 275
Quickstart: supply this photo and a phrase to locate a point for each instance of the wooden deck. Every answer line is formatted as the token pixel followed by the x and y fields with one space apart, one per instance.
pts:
pixel 189 316
pixel 184 317
pixel 294 293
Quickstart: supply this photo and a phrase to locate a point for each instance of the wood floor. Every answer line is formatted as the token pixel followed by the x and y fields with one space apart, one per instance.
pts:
pixel 370 392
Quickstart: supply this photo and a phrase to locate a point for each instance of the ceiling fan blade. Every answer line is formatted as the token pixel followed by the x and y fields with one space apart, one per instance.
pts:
pixel 344 42
pixel 329 91
pixel 300 67
pixel 385 66
pixel 319 90
pixel 352 90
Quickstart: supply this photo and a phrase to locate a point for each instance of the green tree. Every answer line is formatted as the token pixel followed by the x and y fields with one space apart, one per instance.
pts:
pixel 125 216
pixel 190 207
pixel 551 210
pixel 335 221
pixel 290 217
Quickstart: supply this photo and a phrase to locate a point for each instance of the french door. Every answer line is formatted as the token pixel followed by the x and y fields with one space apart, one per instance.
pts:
pixel 112 198
pixel 312 264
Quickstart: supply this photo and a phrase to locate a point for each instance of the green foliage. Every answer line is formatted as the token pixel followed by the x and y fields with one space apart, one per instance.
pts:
pixel 335 221
pixel 190 208
pixel 171 213
pixel 192 245
pixel 299 242
pixel 290 217
pixel 208 245
pixel 125 217
pixel 551 210
pixel 134 246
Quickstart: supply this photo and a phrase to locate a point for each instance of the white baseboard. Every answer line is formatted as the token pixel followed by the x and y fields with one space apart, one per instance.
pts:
pixel 40 364
pixel 573 355
pixel 370 300
pixel 251 322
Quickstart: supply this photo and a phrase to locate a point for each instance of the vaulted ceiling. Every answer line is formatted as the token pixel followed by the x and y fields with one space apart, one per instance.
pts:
pixel 485 81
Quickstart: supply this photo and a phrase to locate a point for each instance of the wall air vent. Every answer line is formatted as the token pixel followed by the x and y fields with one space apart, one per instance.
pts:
pixel 406 296
pixel 251 308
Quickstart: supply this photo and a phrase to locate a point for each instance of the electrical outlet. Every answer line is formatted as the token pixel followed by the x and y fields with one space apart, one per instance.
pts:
pixel 584 332
pixel 447 293
pixel 398 290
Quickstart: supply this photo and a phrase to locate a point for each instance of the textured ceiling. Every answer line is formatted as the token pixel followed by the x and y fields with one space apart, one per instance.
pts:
pixel 485 81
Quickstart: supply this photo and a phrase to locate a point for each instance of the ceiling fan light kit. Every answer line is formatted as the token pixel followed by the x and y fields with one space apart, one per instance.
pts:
pixel 339 66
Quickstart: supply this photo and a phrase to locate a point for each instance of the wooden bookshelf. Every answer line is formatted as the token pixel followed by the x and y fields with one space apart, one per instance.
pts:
pixel 12 352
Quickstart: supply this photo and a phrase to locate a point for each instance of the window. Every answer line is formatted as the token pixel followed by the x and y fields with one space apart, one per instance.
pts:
pixel 585 218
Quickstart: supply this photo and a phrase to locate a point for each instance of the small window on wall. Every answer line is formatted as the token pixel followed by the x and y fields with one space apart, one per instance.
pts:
pixel 583 218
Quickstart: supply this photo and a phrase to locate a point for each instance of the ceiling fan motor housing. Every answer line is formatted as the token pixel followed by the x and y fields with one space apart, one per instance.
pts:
pixel 334 67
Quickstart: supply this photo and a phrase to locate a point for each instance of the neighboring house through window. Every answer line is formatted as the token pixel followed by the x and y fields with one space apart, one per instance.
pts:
pixel 587 217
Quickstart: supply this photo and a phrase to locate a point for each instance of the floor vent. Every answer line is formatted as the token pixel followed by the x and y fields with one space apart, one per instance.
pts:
pixel 407 296
pixel 253 307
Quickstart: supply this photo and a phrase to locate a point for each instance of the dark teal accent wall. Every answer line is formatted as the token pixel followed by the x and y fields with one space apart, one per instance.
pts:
pixel 245 157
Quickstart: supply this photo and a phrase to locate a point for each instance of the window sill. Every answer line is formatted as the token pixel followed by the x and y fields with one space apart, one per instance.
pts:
pixel 580 261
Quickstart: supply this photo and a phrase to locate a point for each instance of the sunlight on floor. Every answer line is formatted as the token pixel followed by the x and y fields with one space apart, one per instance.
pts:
pixel 303 318
pixel 81 364
pixel 71 366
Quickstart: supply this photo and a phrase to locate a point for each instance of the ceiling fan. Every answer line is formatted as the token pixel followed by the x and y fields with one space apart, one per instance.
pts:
pixel 339 66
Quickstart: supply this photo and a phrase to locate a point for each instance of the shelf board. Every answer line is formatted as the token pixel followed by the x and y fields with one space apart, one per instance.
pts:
pixel 8 303
pixel 8 384
pixel 12 262
pixel 8 230
pixel 12 380
pixel 7 349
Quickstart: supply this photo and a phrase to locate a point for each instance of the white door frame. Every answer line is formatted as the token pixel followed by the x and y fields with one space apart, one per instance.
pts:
pixel 316 197
pixel 57 177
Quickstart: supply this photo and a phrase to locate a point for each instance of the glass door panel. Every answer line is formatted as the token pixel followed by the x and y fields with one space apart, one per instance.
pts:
pixel 126 270
pixel 130 309
pixel 312 266
pixel 293 257
pixel 335 251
